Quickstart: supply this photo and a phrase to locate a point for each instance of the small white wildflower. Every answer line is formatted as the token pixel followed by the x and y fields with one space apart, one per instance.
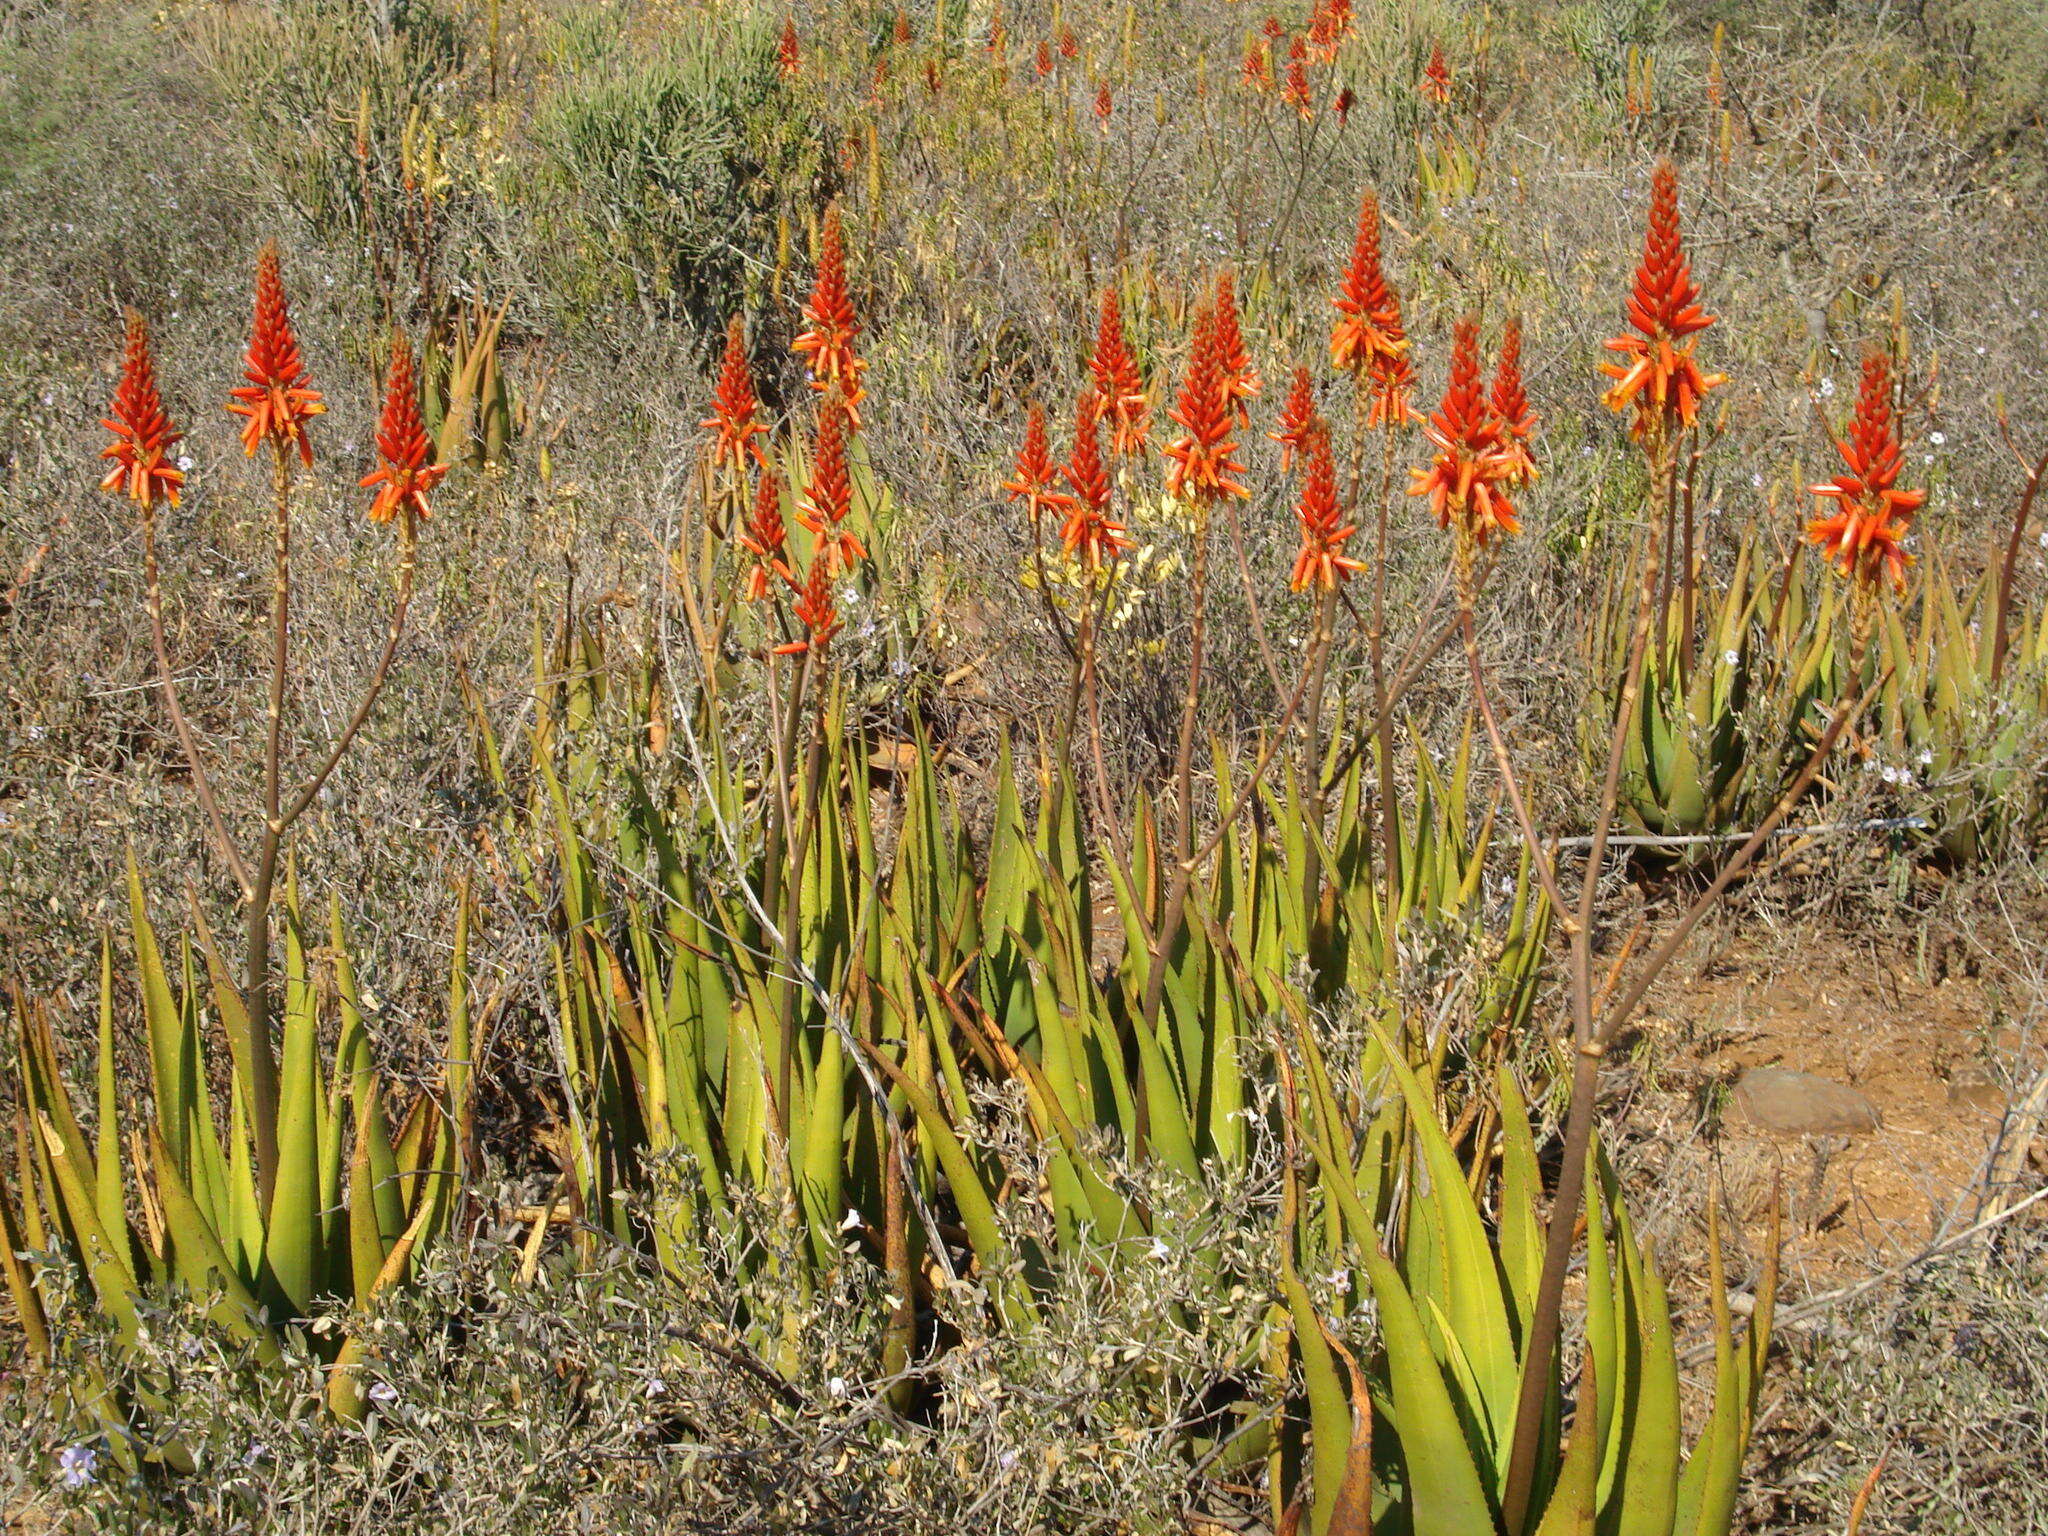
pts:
pixel 656 1387
pixel 1160 1250
pixel 1756 479
pixel 1827 388
pixel 1730 658
pixel 383 1392
pixel 1980 351
pixel 1937 438
pixel 850 1222
pixel 1926 757
pixel 836 1386
pixel 76 1463
pixel 185 463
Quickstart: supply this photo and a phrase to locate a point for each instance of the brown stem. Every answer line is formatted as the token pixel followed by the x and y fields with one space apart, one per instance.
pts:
pixel 792 914
pixel 1383 723
pixel 408 548
pixel 168 687
pixel 1251 599
pixel 1312 763
pixel 256 978
pixel 1999 636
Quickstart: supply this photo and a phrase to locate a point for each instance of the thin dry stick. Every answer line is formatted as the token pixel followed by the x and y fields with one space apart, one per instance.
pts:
pixel 1383 728
pixel 1999 632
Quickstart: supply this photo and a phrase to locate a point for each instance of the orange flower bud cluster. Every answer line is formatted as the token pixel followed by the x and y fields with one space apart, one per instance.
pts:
pixel 1466 481
pixel 143 435
pixel 1089 533
pixel 1240 380
pixel 787 60
pixel 1298 420
pixel 1368 341
pixel 1204 468
pixel 1511 404
pixel 828 499
pixel 1322 562
pixel 1036 475
pixel 1435 85
pixel 766 538
pixel 1659 380
pixel 733 406
pixel 1119 386
pixel 827 345
pixel 1295 92
pixel 1864 537
pixel 406 472
pixel 276 400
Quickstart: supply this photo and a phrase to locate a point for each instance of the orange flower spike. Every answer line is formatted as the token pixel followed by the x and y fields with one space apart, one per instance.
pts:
pixel 1322 562
pixel 1369 331
pixel 1659 379
pixel 1511 404
pixel 1239 380
pixel 1203 464
pixel 1864 536
pixel 815 610
pixel 1345 100
pixel 1296 92
pixel 829 497
pixel 1435 84
pixel 1258 66
pixel 143 435
pixel 1070 46
pixel 1105 105
pixel 1464 482
pixel 733 406
pixel 1298 420
pixel 1089 533
pixel 827 346
pixel 276 399
pixel 902 28
pixel 1044 60
pixel 766 538
pixel 406 473
pixel 787 59
pixel 1119 387
pixel 1036 474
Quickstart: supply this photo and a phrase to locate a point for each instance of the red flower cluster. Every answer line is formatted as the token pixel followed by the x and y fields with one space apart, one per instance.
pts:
pixel 1465 482
pixel 1070 47
pixel 733 406
pixel 142 430
pixel 786 59
pixel 828 344
pixel 1036 474
pixel 1258 65
pixel 1864 536
pixel 828 499
pixel 1660 380
pixel 1240 380
pixel 1105 105
pixel 1296 92
pixel 1322 562
pixel 1328 26
pixel 766 538
pixel 276 399
pixel 1089 533
pixel 815 611
pixel 1511 404
pixel 1119 387
pixel 1044 60
pixel 1435 84
pixel 405 475
pixel 1369 342
pixel 1203 467
pixel 1298 420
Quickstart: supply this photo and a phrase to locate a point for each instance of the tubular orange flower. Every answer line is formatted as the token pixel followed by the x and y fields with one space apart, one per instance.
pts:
pixel 786 57
pixel 766 538
pixel 1464 482
pixel 1044 60
pixel 829 497
pixel 1298 420
pixel 733 406
pixel 1660 379
pixel 1119 387
pixel 1036 474
pixel 1511 404
pixel 1343 104
pixel 1105 105
pixel 142 429
pixel 1239 380
pixel 1864 535
pixel 1089 533
pixel 998 35
pixel 902 27
pixel 1258 65
pixel 1070 47
pixel 1203 463
pixel 1435 84
pixel 1322 562
pixel 405 475
pixel 828 345
pixel 1296 92
pixel 276 399
pixel 815 611
pixel 1368 341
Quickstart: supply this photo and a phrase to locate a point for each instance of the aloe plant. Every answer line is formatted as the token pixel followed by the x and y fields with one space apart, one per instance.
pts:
pixel 167 1203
